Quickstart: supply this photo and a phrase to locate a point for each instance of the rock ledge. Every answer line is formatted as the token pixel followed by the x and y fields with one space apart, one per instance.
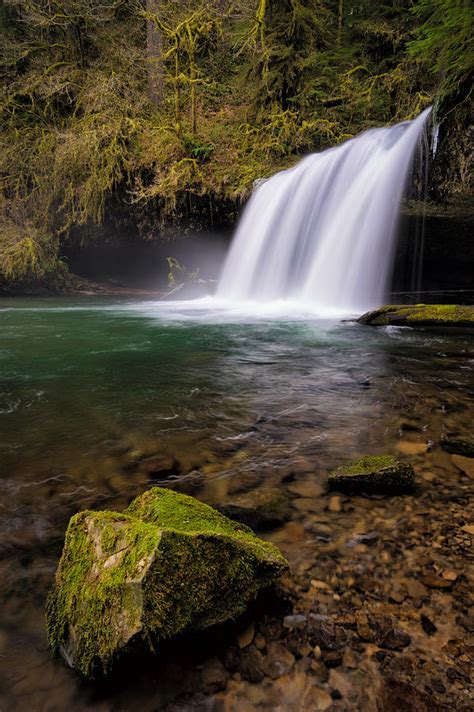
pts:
pixel 440 315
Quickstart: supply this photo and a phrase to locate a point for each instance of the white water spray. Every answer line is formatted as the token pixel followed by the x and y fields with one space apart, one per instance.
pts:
pixel 323 233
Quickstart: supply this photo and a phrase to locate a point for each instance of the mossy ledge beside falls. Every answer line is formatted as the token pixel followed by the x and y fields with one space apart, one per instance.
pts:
pixel 168 564
pixel 438 315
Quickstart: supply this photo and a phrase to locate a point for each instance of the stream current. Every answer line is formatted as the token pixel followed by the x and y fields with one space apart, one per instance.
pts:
pixel 102 398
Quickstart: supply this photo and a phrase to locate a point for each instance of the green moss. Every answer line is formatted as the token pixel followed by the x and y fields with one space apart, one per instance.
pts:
pixel 168 564
pixel 370 463
pixel 103 553
pixel 378 474
pixel 420 315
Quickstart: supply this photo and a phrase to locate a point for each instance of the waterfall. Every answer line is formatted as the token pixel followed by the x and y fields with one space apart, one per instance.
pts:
pixel 323 232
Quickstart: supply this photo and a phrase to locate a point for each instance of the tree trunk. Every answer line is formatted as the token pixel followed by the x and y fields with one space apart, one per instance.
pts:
pixel 154 45
pixel 340 22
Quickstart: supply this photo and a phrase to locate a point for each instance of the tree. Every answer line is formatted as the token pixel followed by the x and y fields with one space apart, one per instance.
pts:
pixel 154 43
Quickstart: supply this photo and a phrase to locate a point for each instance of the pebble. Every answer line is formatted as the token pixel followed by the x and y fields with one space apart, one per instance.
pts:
pixel 427 625
pixel 465 464
pixel 315 583
pixel 251 665
pixel 407 447
pixel 320 670
pixel 368 538
pixel 307 489
pixel 278 661
pixel 332 658
pixel 295 622
pixel 334 504
pixel 415 588
pixel 214 676
pixel 395 640
pixel 433 581
pixel 246 636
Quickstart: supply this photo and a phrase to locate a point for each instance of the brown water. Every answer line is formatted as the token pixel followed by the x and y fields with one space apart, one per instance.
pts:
pixel 101 399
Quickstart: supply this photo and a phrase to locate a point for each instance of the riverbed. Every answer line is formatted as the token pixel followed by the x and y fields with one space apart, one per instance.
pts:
pixel 102 398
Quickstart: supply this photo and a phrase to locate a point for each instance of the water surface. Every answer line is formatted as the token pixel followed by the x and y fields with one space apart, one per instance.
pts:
pixel 100 399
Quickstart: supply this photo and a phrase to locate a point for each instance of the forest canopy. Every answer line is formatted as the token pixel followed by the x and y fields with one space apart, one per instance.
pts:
pixel 156 100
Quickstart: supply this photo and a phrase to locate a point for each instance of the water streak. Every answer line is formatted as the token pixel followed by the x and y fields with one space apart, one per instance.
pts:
pixel 323 232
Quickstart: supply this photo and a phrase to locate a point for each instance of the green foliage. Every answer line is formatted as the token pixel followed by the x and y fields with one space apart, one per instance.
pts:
pixel 445 40
pixel 248 87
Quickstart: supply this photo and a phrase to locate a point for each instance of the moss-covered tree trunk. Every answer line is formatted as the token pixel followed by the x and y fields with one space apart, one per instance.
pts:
pixel 154 43
pixel 340 22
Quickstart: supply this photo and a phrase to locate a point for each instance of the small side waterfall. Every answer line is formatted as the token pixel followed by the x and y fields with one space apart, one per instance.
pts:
pixel 323 233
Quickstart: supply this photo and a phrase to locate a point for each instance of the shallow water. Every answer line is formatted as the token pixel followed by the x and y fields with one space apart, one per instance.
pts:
pixel 99 399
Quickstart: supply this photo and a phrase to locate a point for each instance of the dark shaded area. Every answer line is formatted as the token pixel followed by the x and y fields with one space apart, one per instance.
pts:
pixel 445 274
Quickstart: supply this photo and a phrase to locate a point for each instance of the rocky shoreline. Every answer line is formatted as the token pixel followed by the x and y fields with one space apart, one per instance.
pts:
pixel 374 613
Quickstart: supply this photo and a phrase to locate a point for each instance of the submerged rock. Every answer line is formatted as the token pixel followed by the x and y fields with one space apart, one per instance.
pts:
pixel 450 315
pixel 168 564
pixel 261 508
pixel 458 446
pixel 379 474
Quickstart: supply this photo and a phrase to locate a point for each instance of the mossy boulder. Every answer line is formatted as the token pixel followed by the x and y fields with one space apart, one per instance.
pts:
pixel 261 508
pixel 458 445
pixel 439 315
pixel 166 565
pixel 379 474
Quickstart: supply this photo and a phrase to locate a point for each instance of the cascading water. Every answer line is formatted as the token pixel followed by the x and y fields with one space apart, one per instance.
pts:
pixel 323 233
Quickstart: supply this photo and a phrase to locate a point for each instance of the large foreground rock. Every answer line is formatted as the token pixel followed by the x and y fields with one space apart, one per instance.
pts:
pixel 440 315
pixel 167 564
pixel 379 474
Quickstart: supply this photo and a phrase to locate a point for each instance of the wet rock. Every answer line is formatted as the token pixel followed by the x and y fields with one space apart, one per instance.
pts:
pixel 427 625
pixel 364 630
pixel 415 588
pixel 307 489
pixel 332 658
pixel 323 631
pixel 251 664
pixel 167 564
pixel 395 640
pixel 458 446
pixel 319 670
pixel 380 474
pixel 406 447
pixel 262 508
pixel 396 695
pixel 368 538
pixel 232 658
pixel 214 676
pixel 278 661
pixel 433 581
pixel 246 636
pixel 334 504
pixel 298 622
pixel 465 464
pixel 441 315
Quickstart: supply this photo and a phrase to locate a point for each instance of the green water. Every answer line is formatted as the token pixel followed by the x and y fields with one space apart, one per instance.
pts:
pixel 99 399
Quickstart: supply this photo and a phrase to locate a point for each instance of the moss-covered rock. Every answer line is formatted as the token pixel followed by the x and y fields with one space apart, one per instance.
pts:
pixel 168 564
pixel 261 508
pixel 440 315
pixel 458 446
pixel 379 474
